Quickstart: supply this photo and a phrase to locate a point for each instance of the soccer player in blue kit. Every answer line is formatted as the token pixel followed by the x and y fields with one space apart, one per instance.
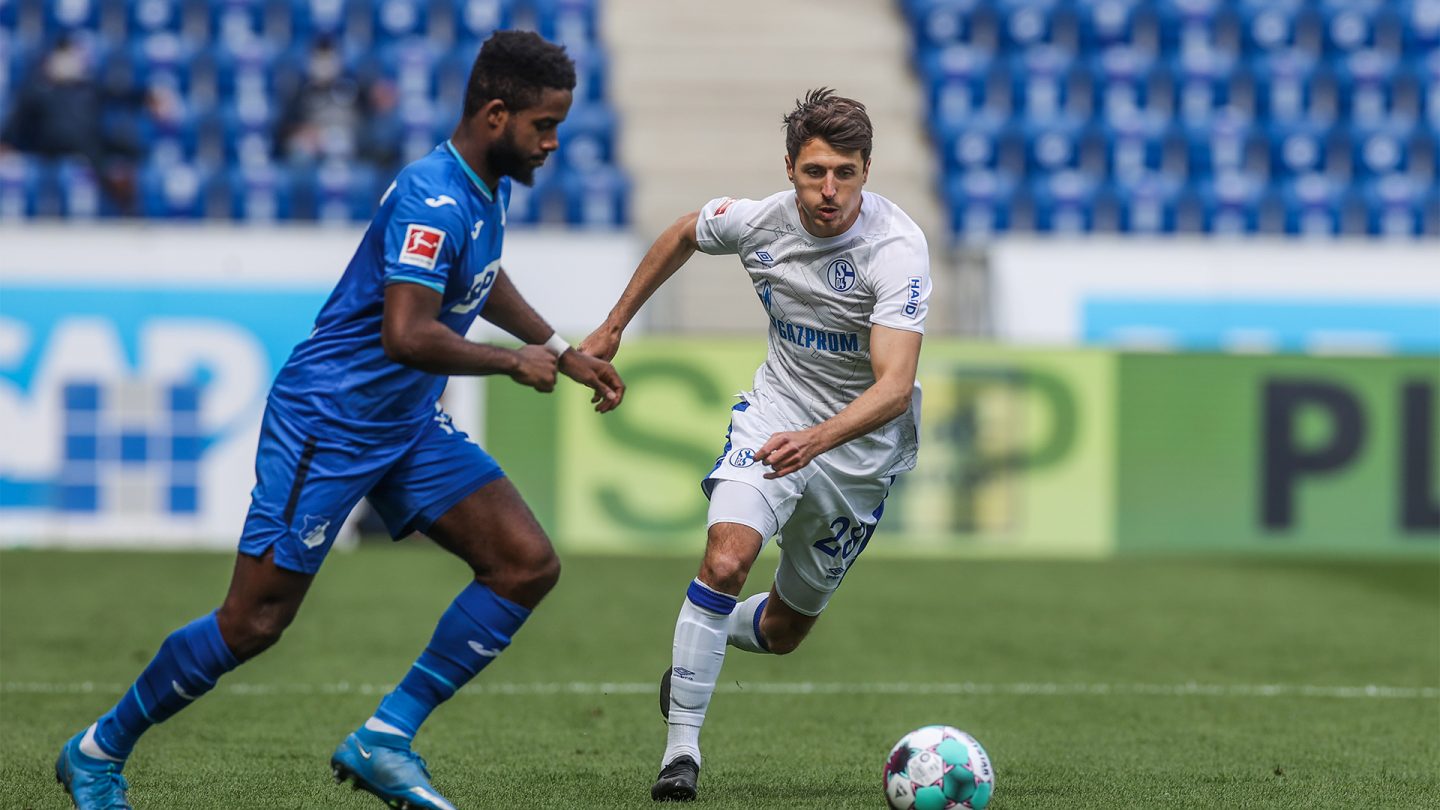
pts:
pixel 355 413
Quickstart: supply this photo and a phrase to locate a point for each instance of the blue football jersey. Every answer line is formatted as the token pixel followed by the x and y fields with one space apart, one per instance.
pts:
pixel 438 226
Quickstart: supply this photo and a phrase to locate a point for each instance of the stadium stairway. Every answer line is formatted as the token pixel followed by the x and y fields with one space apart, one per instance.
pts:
pixel 701 88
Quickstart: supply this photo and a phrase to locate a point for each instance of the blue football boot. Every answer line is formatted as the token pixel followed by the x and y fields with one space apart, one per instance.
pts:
pixel 93 784
pixel 384 765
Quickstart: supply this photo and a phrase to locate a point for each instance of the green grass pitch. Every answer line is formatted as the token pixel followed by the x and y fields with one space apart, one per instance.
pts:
pixel 1131 683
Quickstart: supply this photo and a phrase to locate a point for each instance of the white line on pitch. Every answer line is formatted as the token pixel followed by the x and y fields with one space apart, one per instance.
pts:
pixel 1369 691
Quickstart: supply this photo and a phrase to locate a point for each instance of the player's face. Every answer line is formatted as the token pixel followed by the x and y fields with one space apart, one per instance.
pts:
pixel 530 135
pixel 827 186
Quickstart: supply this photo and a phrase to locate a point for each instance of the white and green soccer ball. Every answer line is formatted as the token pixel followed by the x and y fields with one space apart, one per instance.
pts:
pixel 938 768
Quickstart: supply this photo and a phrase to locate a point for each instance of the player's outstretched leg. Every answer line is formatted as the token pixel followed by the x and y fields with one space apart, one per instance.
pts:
pixel 515 566
pixel 261 603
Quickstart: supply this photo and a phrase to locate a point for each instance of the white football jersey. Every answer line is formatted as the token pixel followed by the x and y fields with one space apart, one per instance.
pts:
pixel 821 296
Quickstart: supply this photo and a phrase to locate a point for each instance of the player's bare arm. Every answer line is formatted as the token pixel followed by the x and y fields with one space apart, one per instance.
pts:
pixel 894 355
pixel 675 245
pixel 509 310
pixel 412 335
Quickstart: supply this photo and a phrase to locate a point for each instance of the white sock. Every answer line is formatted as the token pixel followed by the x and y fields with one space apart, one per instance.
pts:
pixel 744 623
pixel 696 658
pixel 89 748
pixel 376 724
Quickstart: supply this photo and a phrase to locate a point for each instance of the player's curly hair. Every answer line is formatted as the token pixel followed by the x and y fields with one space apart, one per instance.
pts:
pixel 841 122
pixel 517 67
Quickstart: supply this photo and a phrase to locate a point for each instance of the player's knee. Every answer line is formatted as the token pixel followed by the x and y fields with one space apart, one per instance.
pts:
pixel 725 572
pixel 526 583
pixel 251 632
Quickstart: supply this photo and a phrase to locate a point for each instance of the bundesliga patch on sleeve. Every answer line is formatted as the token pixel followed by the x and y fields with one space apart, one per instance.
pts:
pixel 722 207
pixel 422 246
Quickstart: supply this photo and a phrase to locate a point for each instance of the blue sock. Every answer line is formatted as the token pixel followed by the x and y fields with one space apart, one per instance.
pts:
pixel 187 666
pixel 475 629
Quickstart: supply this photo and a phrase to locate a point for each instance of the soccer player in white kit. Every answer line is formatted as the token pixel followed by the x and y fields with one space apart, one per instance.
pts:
pixel 832 416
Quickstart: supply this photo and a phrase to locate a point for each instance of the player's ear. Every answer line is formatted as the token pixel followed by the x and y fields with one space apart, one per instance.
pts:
pixel 789 168
pixel 495 113
pixel 865 172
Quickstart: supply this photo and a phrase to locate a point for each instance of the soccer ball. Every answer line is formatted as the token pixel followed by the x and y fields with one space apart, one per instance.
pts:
pixel 937 768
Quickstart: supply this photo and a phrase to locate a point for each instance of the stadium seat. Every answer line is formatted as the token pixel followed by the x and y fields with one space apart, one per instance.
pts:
pixel 973 142
pixel 1133 146
pixel 587 138
pixel 1146 203
pixel 1124 78
pixel 397 20
pixel 336 192
pixel 1313 205
pixel 1027 23
pixel 1395 205
pixel 981 203
pixel 475 20
pixel 1104 23
pixel 572 23
pixel 944 22
pixel 959 78
pixel 596 199
pixel 1381 148
pixel 1202 81
pixel 1366 81
pixel 1041 79
pixel 175 191
pixel 260 192
pixel 1420 21
pixel 1064 202
pixel 1268 26
pixel 146 17
pixel 1230 203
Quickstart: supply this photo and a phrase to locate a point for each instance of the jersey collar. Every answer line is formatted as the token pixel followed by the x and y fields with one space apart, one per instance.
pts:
pixel 469 172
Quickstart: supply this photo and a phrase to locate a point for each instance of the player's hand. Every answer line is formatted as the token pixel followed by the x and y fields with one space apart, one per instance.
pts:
pixel 787 452
pixel 603 343
pixel 536 369
pixel 597 375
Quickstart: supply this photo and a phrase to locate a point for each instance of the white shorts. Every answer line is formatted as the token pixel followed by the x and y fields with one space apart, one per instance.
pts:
pixel 825 518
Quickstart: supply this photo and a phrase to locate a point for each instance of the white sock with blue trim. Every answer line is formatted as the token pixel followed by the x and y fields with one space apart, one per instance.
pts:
pixel 743 628
pixel 696 658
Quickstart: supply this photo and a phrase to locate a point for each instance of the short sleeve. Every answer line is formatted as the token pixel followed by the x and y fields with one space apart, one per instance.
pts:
pixel 901 284
pixel 722 224
pixel 423 238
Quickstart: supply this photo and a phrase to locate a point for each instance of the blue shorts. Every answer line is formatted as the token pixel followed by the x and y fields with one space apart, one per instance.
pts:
pixel 306 485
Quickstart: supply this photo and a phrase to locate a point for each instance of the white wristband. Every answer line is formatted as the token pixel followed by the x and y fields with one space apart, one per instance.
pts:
pixel 557 345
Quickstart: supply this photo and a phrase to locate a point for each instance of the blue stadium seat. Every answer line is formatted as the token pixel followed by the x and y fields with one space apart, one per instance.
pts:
pixel 260 192
pixel 1051 144
pixel 1420 20
pixel 1305 146
pixel 399 20
pixel 1284 84
pixel 1124 78
pixel 1041 79
pixel 1366 81
pixel 336 192
pixel 1202 80
pixel 1314 205
pixel 71 15
pixel 959 79
pixel 1352 25
pixel 1381 148
pixel 1186 24
pixel 587 138
pixel 1395 205
pixel 145 17
pixel 1104 23
pixel 981 202
pixel 1278 25
pixel 596 199
pixel 973 142
pixel 572 23
pixel 1230 203
pixel 1147 203
pixel 174 191
pixel 1064 202
pixel 942 22
pixel 1134 146
pixel 475 20
pixel 19 186
pixel 1027 23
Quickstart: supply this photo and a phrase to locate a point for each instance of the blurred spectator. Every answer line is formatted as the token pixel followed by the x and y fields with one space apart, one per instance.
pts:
pixel 332 114
pixel 60 111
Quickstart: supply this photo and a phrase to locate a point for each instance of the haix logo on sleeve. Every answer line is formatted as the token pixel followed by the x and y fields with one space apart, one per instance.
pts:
pixel 912 304
pixel 422 246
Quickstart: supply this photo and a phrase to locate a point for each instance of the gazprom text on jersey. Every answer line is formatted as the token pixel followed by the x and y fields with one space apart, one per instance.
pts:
pixel 817 339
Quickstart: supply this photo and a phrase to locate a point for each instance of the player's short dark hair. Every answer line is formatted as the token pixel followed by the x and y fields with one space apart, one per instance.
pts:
pixel 841 122
pixel 517 67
